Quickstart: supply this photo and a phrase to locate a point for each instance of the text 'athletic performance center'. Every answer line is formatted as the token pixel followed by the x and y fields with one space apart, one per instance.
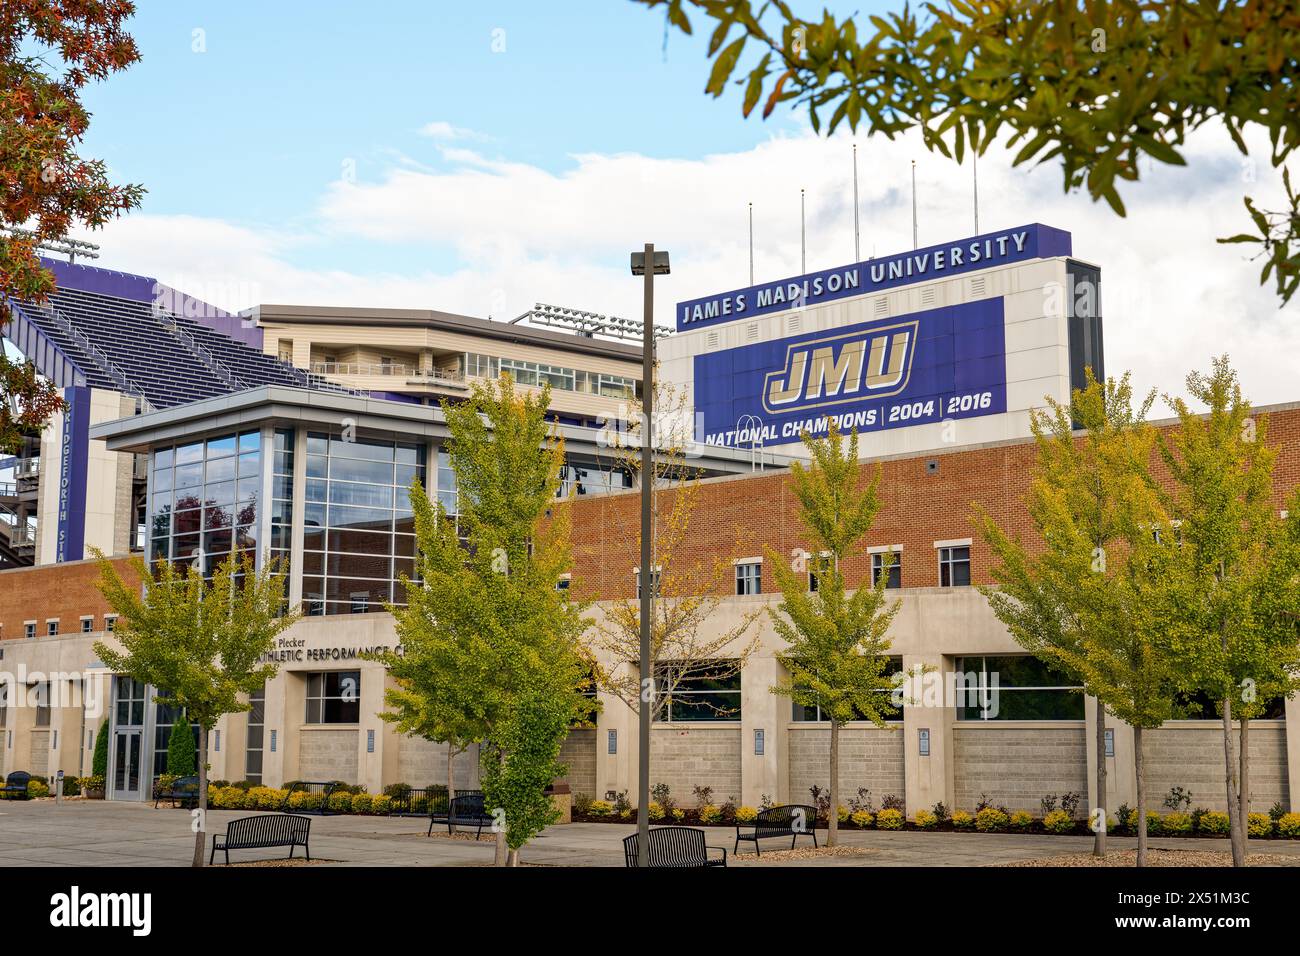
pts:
pixel 191 431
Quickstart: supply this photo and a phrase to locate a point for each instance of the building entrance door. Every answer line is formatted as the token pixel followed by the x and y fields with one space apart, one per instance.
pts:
pixel 127 754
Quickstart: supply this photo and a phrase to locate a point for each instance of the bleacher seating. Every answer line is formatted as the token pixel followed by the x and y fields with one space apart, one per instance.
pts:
pixel 138 342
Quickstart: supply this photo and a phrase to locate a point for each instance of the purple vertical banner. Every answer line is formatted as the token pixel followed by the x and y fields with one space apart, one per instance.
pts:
pixel 73 454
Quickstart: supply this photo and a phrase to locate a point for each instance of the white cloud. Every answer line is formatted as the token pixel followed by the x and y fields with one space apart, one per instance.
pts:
pixel 441 129
pixel 518 233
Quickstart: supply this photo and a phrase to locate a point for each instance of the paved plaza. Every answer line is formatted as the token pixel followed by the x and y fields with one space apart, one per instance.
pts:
pixel 99 833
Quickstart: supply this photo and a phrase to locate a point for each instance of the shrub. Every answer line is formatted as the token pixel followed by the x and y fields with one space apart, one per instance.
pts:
pixel 581 803
pixel 862 819
pixel 1259 825
pixel 962 820
pixel 99 763
pixel 656 811
pixel 1021 820
pixel 890 819
pixel 894 802
pixel 1176 822
pixel 341 801
pixel 925 820
pixel 381 805
pixel 621 804
pixel 218 784
pixel 1214 822
pixel 361 803
pixel 265 798
pixel 745 814
pixel 1058 821
pixel 226 798
pixel 1178 799
pixel 1288 825
pixel 37 788
pixel 71 786
pixel 398 791
pixel 678 814
pixel 940 811
pixel 244 785
pixel 991 820
pixel 710 814
pixel 182 755
pixel 703 796
pixel 93 783
pixel 1155 825
pixel 842 814
pixel 1122 817
pixel 600 808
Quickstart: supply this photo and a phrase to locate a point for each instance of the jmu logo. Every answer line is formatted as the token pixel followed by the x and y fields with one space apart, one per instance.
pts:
pixel 873 363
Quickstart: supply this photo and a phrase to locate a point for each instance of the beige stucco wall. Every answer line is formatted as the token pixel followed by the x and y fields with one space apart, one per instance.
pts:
pixel 1016 764
pixel 870 758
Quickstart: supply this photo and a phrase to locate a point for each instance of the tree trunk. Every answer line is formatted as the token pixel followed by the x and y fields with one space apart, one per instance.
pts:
pixel 1235 823
pixel 1140 768
pixel 1243 785
pixel 502 852
pixel 1099 835
pixel 451 792
pixel 833 815
pixel 514 858
pixel 201 827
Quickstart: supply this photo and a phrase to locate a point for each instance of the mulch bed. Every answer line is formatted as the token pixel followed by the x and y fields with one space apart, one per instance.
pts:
pixel 809 853
pixel 296 861
pixel 1203 858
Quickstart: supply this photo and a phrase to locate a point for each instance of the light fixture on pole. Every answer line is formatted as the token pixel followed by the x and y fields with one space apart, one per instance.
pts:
pixel 649 264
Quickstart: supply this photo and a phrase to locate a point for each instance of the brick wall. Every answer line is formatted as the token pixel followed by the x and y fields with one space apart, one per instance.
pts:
pixel 869 757
pixel 1191 757
pixel 579 754
pixel 1017 766
pixel 687 757
pixel 66 591
pixel 738 516
pixel 327 755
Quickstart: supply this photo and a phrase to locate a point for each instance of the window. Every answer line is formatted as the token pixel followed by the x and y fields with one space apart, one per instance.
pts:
pixel 42 697
pixel 1199 705
pixel 801 713
pixel 256 735
pixel 654 584
pixel 816 565
pixel 29 629
pixel 4 706
pixel 749 578
pixel 110 623
pixel 894 560
pixel 334 697
pixel 702 692
pixel 87 625
pixel 563 582
pixel 1015 688
pixel 954 566
pixel 52 628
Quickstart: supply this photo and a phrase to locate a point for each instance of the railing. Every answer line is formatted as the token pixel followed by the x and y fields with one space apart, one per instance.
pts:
pixel 97 355
pixel 203 354
pixel 28 468
pixel 416 802
pixel 391 369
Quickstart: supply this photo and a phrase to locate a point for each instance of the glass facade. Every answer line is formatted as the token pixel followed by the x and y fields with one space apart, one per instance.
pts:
pixel 359 533
pixel 1015 687
pixel 334 697
pixel 557 376
pixel 704 693
pixel 203 500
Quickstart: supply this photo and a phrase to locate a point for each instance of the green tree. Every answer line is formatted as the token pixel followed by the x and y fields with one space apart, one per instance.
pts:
pixel 835 641
pixel 486 627
pixel 181 753
pixel 99 762
pixel 1231 610
pixel 202 640
pixel 1078 596
pixel 1095 85
pixel 49 51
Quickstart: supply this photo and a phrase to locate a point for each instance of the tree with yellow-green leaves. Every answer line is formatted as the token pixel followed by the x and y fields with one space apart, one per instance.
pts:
pixel 489 642
pixel 1232 591
pixel 1096 86
pixel 836 641
pixel 201 642
pixel 1084 595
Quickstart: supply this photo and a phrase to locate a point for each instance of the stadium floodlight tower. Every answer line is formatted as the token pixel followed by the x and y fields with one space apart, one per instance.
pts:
pixel 587 324
pixel 64 247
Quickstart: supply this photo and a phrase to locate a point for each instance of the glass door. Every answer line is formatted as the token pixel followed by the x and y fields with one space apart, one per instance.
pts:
pixel 126 753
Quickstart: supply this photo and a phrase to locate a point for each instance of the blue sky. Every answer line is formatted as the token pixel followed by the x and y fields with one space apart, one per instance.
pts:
pixel 383 154
pixel 254 128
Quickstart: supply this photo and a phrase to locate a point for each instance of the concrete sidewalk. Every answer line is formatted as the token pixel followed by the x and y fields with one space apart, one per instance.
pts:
pixel 100 833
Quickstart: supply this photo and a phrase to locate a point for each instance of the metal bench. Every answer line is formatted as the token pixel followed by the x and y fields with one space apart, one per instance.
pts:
pixel 791 821
pixel 464 810
pixel 16 785
pixel 262 831
pixel 324 788
pixel 674 848
pixel 438 805
pixel 184 789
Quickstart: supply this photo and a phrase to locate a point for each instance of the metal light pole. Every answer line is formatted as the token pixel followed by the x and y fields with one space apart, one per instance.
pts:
pixel 649 264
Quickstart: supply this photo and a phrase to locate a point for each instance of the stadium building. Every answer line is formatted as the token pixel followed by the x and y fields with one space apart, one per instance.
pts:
pixel 293 431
